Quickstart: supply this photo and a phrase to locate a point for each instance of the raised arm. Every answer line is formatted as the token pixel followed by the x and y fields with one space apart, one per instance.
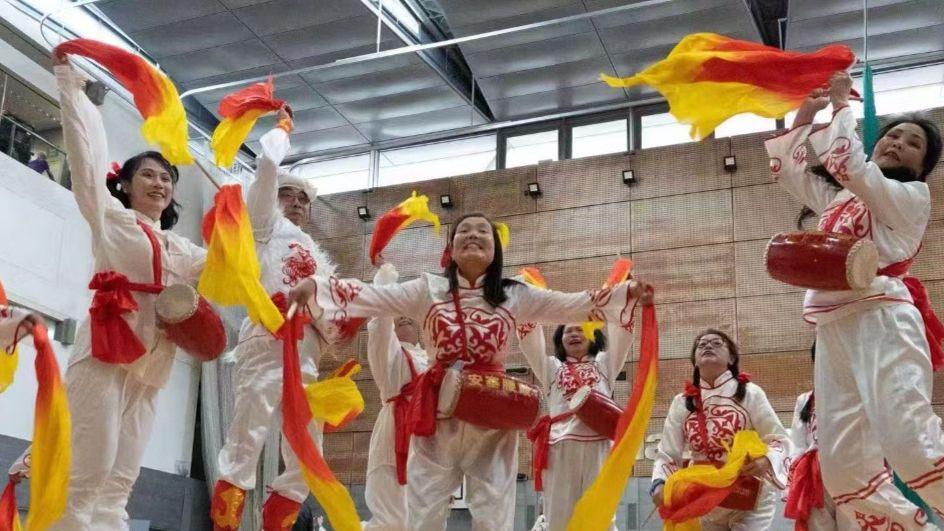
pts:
pixel 382 344
pixel 84 135
pixel 533 345
pixel 619 340
pixel 263 197
pixel 613 305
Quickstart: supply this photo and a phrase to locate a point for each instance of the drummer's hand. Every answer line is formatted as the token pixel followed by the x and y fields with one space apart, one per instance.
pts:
pixel 840 85
pixel 759 468
pixel 302 293
pixel 284 120
pixel 657 496
pixel 643 292
pixel 815 102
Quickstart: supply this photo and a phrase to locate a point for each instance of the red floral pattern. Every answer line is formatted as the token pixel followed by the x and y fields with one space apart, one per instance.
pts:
pixel 297 264
pixel 854 218
pixel 837 158
pixel 875 522
pixel 574 375
pixel 487 334
pixel 722 422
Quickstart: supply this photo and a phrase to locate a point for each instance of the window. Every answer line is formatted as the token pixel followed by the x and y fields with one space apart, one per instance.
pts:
pixel 437 160
pixel 522 150
pixel 599 138
pixel 743 124
pixel 662 130
pixel 337 175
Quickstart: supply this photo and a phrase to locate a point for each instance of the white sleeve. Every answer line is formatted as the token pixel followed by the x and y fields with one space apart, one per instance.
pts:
pixel 551 307
pixel 669 453
pixel 83 132
pixel 262 201
pixel 901 206
pixel 533 345
pixel 771 430
pixel 339 301
pixel 619 342
pixel 798 438
pixel 10 331
pixel 788 167
pixel 383 347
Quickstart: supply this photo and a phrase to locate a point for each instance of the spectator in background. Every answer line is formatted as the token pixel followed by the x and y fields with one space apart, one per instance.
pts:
pixel 39 164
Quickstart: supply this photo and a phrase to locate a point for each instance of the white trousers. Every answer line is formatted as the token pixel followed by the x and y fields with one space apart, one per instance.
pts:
pixel 828 519
pixel 112 416
pixel 572 468
pixel 487 458
pixel 386 500
pixel 760 519
pixel 873 405
pixel 257 410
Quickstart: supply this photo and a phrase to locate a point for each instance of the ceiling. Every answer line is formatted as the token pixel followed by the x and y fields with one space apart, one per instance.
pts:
pixel 548 69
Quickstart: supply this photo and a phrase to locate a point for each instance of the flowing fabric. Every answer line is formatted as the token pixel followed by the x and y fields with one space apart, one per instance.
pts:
pixel 533 277
pixel 240 110
pixel 693 492
pixel 504 234
pixel 8 364
pixel 336 400
pixel 621 270
pixel 708 78
pixel 415 208
pixel 296 415
pixel 9 517
pixel 598 505
pixel 52 449
pixel 113 340
pixel 231 274
pixel 155 96
pixel 806 490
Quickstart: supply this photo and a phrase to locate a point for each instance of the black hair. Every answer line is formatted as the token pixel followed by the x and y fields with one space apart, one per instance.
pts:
pixel 807 412
pixel 596 346
pixel 734 366
pixel 494 285
pixel 131 166
pixel 931 156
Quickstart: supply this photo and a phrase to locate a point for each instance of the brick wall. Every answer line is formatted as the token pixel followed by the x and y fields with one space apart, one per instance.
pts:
pixel 692 229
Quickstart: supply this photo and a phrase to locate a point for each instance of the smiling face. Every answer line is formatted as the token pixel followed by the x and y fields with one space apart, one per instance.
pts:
pixel 473 245
pixel 904 146
pixel 576 344
pixel 151 189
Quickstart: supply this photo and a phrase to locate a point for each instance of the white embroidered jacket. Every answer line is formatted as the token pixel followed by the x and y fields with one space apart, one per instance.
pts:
pixel 892 214
pixel 724 417
pixel 427 300
pixel 560 380
pixel 118 243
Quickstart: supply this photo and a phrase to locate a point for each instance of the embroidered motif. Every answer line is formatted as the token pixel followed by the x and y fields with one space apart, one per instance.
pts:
pixel 722 422
pixel 573 376
pixel 487 334
pixel 854 219
pixel 298 264
pixel 875 522
pixel 838 158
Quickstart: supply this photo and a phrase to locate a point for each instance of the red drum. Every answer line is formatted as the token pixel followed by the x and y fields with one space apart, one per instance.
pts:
pixel 190 322
pixel 489 399
pixel 821 260
pixel 596 410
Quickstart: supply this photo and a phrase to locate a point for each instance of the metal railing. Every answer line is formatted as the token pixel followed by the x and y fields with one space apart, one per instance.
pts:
pixel 22 143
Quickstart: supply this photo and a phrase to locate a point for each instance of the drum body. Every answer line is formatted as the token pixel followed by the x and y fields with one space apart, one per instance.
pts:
pixel 488 399
pixel 598 411
pixel 190 322
pixel 821 260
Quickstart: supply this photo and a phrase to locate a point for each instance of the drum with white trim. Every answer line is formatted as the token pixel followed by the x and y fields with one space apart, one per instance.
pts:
pixel 190 322
pixel 822 260
pixel 488 399
pixel 598 411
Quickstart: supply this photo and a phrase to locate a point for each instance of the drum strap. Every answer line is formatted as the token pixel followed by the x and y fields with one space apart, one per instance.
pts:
pixel 113 341
pixel 806 489
pixel 933 328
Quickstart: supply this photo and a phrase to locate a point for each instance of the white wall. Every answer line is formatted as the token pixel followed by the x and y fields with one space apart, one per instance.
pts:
pixel 45 265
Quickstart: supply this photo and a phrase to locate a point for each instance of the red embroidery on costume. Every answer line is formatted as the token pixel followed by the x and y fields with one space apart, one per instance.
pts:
pixel 855 219
pixel 486 339
pixel 343 292
pixel 525 329
pixel 875 522
pixel 722 422
pixel 297 265
pixel 775 166
pixel 838 158
pixel 799 154
pixel 572 376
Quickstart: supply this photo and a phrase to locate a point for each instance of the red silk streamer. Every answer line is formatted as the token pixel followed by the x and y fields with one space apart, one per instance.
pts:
pixel 401 417
pixel 540 437
pixel 422 421
pixel 694 502
pixel 113 341
pixel 933 328
pixel 9 517
pixel 806 490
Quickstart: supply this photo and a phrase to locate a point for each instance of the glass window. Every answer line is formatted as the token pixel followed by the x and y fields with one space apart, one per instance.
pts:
pixel 437 160
pixel 599 138
pixel 662 130
pixel 743 124
pixel 337 175
pixel 532 148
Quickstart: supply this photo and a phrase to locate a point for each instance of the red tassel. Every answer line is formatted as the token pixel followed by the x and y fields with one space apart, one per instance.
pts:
pixel 258 96
pixel 113 174
pixel 446 257
pixel 743 377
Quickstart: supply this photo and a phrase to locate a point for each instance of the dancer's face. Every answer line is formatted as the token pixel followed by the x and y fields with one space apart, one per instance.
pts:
pixel 151 189
pixel 294 204
pixel 905 145
pixel 473 247
pixel 576 344
pixel 712 353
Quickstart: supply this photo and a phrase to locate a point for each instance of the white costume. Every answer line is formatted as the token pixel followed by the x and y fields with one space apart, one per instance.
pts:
pixel 393 365
pixel 479 338
pixel 873 370
pixel 112 405
pixel 11 332
pixel 576 452
pixel 286 255
pixel 724 417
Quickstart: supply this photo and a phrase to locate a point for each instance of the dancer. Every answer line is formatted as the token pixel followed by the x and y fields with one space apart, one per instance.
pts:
pixel 278 205
pixel 574 452
pixel 468 316
pixel 719 402
pixel 121 357
pixel 873 363
pixel 396 360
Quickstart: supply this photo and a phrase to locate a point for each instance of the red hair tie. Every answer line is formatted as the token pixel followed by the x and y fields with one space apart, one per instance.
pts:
pixel 446 257
pixel 744 377
pixel 692 390
pixel 113 174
